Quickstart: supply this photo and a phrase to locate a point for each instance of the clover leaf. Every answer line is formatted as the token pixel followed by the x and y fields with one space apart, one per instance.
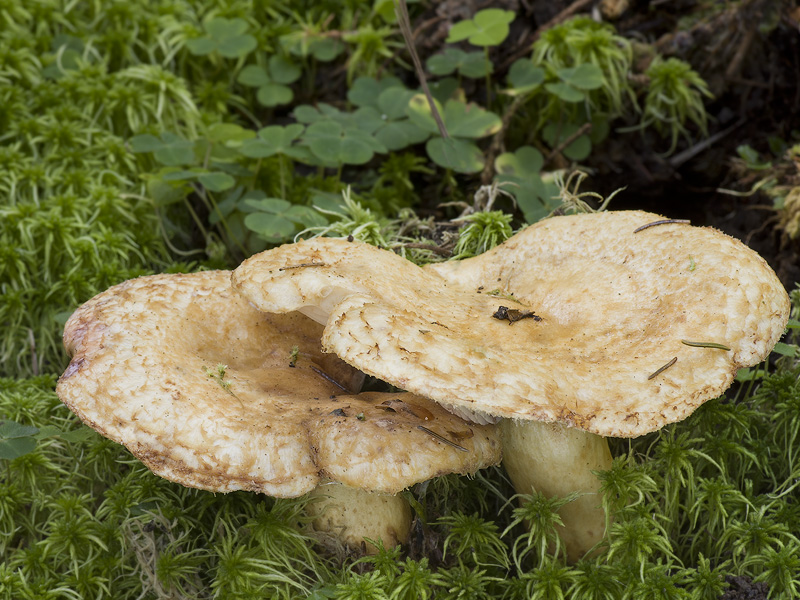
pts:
pixel 214 181
pixel 16 440
pixel 366 90
pixel 459 155
pixel 168 149
pixel 524 77
pixel 519 173
pixel 271 80
pixel 396 135
pixel 489 27
pixel 365 118
pixel 275 139
pixel 322 47
pixel 228 37
pixel 525 161
pixel 460 119
pixel 276 220
pixel 574 81
pixel 469 64
pixel 555 134
pixel 469 120
pixel 335 145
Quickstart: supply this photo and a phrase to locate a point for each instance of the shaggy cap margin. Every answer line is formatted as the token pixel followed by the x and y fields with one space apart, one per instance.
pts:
pixel 147 372
pixel 578 319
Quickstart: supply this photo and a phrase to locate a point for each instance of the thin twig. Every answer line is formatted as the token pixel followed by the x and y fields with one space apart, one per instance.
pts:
pixel 713 345
pixel 401 10
pixel 585 128
pixel 662 369
pixel 662 222
pixel 441 438
pixel 327 377
pixel 301 265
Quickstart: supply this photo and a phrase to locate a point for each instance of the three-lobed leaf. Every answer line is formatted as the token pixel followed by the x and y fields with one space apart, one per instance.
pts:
pixel 16 440
pixel 469 64
pixel 334 144
pixel 524 77
pixel 274 139
pixel 489 27
pixel 276 220
pixel 169 149
pixel 460 119
pixel 228 37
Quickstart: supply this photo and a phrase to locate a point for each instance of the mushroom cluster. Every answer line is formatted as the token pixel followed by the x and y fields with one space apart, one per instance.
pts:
pixel 211 393
pixel 576 329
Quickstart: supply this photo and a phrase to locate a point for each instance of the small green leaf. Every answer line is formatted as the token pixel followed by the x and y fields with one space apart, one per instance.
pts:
pixel 397 135
pixel 228 132
pixel 16 440
pixel 269 205
pixel 333 144
pixel 475 65
pixel 445 63
pixel 274 94
pixel 366 90
pixel 472 64
pixel 165 193
pixel 524 76
pixel 525 162
pixel 555 135
pixel 394 101
pixel 565 91
pixel 145 143
pixel 459 155
pixel 201 46
pixel 180 175
pixel 226 36
pixel 76 435
pixel 11 430
pixel 14 448
pixel 489 27
pixel 419 111
pixel 271 227
pixel 272 140
pixel 469 120
pixel 785 349
pixel 216 181
pixel 282 70
pixel 305 113
pixel 253 76
pixel 321 46
pixel 585 76
pixel 305 216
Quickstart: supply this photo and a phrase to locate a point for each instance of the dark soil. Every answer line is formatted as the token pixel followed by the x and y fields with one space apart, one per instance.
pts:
pixel 743 588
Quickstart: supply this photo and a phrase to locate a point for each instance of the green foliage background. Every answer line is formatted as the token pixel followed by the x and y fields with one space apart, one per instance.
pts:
pixel 174 135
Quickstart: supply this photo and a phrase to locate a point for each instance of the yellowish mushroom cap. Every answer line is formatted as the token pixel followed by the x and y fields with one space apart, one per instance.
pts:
pixel 586 320
pixel 211 393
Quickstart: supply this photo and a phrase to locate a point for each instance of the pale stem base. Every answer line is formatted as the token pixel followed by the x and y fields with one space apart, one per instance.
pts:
pixel 352 516
pixel 556 461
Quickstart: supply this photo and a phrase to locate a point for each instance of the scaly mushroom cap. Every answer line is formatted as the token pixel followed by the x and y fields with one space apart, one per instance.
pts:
pixel 146 372
pixel 578 319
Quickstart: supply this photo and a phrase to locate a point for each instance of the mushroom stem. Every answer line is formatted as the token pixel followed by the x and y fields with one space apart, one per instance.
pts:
pixel 556 461
pixel 352 516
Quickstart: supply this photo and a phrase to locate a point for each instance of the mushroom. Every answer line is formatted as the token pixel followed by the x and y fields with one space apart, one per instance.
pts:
pixel 211 393
pixel 577 328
